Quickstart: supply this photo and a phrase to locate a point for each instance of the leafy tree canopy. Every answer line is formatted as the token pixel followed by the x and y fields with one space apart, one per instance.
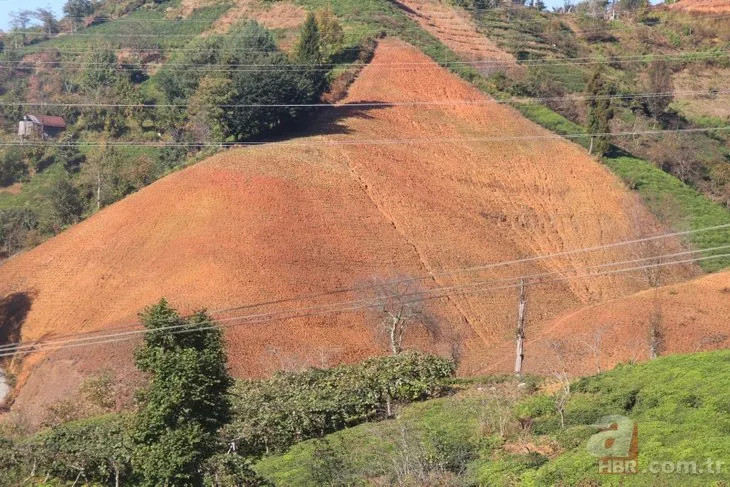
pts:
pixel 186 401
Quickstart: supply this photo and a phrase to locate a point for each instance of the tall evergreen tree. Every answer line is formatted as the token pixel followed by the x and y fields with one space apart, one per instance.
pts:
pixel 186 401
pixel 66 202
pixel 599 113
pixel 309 51
pixel 660 81
pixel 330 32
pixel 309 47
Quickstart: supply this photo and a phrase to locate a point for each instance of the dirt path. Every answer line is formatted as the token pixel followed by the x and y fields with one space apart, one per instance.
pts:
pixel 455 29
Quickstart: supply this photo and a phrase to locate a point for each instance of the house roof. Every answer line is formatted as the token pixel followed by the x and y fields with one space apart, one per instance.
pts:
pixel 48 121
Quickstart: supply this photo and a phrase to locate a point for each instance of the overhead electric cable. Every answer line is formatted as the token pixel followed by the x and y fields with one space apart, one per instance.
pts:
pixel 356 142
pixel 337 307
pixel 186 328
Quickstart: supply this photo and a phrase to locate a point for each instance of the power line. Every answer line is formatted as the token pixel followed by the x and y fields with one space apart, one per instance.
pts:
pixel 614 25
pixel 352 305
pixel 490 101
pixel 695 56
pixel 641 57
pixel 337 306
pixel 357 142
pixel 492 266
pixel 365 29
pixel 433 275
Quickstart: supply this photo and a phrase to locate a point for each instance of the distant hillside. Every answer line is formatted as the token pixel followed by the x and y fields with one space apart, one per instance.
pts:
pixel 324 212
pixel 702 6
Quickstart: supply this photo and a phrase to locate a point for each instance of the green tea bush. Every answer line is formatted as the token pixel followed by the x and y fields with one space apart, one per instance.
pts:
pixel 270 415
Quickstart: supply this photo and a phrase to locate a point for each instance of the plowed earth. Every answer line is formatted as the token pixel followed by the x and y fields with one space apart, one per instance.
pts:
pixel 281 15
pixel 702 6
pixel 278 15
pixel 323 212
pixel 691 317
pixel 455 29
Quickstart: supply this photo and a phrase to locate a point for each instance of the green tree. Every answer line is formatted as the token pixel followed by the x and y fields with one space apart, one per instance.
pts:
pixel 99 173
pixel 660 81
pixel 186 401
pixel 47 19
pixel 100 70
pixel 68 153
pixel 20 20
pixel 207 117
pixel 76 10
pixel 331 34
pixel 309 46
pixel 99 448
pixel 15 226
pixel 599 113
pixel 12 166
pixel 66 202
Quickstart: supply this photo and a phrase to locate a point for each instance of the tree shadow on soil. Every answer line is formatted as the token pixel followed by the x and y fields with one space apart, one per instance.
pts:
pixel 325 120
pixel 14 309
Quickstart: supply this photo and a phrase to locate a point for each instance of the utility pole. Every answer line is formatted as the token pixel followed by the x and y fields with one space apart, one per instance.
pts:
pixel 520 335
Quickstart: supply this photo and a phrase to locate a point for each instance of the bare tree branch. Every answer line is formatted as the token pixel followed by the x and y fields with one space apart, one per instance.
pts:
pixel 400 307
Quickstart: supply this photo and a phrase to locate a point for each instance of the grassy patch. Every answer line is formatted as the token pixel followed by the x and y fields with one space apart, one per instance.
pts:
pixel 446 429
pixel 34 193
pixel 675 203
pixel 544 116
pixel 144 34
pixel 681 404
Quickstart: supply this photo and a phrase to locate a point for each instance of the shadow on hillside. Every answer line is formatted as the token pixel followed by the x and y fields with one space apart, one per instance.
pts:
pixel 14 309
pixel 405 8
pixel 326 121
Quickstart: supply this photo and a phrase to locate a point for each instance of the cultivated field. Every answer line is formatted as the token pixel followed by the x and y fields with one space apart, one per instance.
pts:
pixel 458 31
pixel 324 212
pixel 691 317
pixel 702 6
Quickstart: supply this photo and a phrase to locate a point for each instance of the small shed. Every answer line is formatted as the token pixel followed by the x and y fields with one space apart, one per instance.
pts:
pixel 44 126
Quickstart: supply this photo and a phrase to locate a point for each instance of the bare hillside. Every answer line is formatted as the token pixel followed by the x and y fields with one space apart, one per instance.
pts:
pixel 689 317
pixel 325 212
pixel 702 6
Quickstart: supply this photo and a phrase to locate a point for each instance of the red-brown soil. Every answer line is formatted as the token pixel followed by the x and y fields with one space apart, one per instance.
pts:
pixel 278 15
pixel 702 6
pixel 301 217
pixel 691 316
pixel 282 15
pixel 455 29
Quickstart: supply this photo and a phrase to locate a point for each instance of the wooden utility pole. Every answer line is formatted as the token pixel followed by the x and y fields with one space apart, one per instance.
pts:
pixel 520 335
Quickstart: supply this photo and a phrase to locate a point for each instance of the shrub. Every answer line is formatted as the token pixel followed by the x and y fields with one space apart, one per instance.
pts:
pixel 12 167
pixel 16 225
pixel 98 448
pixel 272 414
pixel 229 469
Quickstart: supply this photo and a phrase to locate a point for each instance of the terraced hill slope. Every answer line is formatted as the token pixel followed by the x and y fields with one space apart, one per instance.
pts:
pixel 457 30
pixel 324 212
pixel 702 6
